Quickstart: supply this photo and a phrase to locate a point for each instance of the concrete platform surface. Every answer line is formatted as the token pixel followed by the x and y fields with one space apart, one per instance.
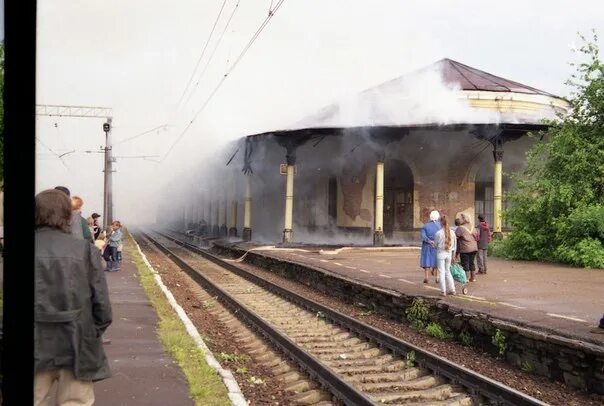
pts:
pixel 143 373
pixel 555 297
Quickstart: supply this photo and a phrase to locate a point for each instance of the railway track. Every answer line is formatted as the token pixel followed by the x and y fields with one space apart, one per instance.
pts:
pixel 357 363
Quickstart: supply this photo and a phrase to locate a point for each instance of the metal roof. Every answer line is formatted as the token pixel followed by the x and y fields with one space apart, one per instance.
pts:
pixel 469 78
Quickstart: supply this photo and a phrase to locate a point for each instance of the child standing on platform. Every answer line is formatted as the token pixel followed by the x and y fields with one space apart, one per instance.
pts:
pixel 113 242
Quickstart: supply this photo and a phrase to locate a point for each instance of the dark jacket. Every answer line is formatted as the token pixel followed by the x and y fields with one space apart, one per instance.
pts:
pixel 484 235
pixel 72 308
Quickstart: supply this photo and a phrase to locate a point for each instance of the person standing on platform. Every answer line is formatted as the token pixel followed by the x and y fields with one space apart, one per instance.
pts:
pixel 427 258
pixel 445 242
pixel 71 309
pixel 114 240
pixel 483 236
pixel 96 227
pixel 76 228
pixel 76 205
pixel 467 247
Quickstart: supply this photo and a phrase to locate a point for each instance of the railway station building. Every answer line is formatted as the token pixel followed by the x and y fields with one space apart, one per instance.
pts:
pixel 370 169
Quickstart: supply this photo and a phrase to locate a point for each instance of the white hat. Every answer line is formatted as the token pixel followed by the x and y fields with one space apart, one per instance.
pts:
pixel 434 215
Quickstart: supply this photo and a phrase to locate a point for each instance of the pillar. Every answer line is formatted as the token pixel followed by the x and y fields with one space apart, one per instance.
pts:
pixel 209 218
pixel 233 218
pixel 184 217
pixel 247 210
pixel 203 225
pixel 378 232
pixel 223 215
pixel 216 222
pixel 289 205
pixel 497 190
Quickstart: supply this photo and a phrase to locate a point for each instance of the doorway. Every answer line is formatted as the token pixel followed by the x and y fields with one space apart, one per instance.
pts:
pixel 398 198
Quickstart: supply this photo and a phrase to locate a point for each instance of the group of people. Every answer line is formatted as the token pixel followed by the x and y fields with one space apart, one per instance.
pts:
pixel 443 245
pixel 72 308
pixel 109 242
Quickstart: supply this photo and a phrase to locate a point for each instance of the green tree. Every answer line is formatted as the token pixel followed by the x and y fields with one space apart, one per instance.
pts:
pixel 557 208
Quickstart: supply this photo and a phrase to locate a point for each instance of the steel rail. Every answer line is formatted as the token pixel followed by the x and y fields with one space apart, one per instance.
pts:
pixel 473 382
pixel 318 371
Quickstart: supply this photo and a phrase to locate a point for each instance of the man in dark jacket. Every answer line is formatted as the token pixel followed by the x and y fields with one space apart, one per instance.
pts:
pixel 71 310
pixel 96 227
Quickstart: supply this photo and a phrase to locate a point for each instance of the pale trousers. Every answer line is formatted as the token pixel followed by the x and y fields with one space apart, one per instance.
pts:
pixel 70 391
pixel 443 262
pixel 481 259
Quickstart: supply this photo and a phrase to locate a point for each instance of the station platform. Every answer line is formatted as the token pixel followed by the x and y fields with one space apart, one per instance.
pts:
pixel 143 373
pixel 551 297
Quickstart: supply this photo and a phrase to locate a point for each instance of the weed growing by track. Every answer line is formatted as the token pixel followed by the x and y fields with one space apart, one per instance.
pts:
pixel 205 385
pixel 418 313
pixel 498 341
pixel 437 331
pixel 465 338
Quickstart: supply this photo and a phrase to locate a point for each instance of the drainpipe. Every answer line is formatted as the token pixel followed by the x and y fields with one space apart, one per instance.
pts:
pixel 247 210
pixel 378 232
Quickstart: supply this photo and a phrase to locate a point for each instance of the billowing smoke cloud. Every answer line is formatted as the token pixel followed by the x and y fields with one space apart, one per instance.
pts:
pixel 418 98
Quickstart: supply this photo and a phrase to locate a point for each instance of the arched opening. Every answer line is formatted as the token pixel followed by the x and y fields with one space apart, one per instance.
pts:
pixel 398 198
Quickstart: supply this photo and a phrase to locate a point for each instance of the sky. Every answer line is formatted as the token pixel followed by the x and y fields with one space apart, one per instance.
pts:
pixel 137 57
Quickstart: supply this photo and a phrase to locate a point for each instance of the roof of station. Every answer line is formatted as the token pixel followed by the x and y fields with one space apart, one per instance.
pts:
pixel 446 92
pixel 469 78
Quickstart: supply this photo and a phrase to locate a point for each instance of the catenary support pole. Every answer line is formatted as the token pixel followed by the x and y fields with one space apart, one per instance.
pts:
pixel 247 210
pixel 110 175
pixel 378 232
pixel 289 205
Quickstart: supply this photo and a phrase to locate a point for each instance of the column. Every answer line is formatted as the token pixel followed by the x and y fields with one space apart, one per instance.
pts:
pixel 289 205
pixel 184 217
pixel 497 189
pixel 233 216
pixel 202 220
pixel 223 215
pixel 378 232
pixel 216 222
pixel 247 210
pixel 209 218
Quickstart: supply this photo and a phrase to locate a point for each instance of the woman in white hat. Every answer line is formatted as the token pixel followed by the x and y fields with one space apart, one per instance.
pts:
pixel 427 259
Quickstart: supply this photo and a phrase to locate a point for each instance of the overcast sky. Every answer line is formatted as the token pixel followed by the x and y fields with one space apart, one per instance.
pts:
pixel 137 56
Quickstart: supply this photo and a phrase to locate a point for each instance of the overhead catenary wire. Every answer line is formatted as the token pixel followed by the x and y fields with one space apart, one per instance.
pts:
pixel 205 68
pixel 141 134
pixel 60 156
pixel 202 53
pixel 224 77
